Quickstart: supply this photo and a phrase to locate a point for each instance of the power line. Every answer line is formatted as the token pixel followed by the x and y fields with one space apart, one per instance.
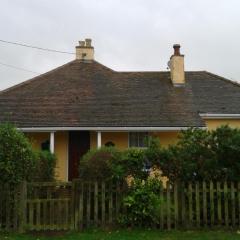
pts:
pixel 18 68
pixel 35 47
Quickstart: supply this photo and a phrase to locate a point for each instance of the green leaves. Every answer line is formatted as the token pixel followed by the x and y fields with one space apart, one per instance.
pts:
pixel 142 202
pixel 203 155
pixel 45 167
pixel 17 160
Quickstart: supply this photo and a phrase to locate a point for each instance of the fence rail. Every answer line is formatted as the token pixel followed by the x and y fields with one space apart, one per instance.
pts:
pixel 77 205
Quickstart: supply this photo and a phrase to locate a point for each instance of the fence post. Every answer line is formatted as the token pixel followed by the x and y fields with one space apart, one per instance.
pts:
pixel 22 211
pixel 72 215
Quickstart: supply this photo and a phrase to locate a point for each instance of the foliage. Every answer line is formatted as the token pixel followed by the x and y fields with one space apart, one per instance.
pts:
pixel 226 146
pixel 96 164
pixel 45 167
pixel 17 159
pixel 199 155
pixel 203 155
pixel 131 163
pixel 142 202
pixel 154 150
pixel 108 163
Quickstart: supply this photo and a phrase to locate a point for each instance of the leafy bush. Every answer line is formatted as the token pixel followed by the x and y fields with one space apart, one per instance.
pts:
pixel 17 159
pixel 97 164
pixel 203 155
pixel 226 146
pixel 108 163
pixel 45 167
pixel 131 163
pixel 142 203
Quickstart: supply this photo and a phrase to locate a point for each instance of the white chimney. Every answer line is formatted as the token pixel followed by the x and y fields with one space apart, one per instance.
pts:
pixel 85 50
pixel 177 67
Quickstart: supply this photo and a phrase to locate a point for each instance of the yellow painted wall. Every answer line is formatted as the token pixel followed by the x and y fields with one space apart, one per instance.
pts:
pixel 214 123
pixel 120 139
pixel 61 150
pixel 166 138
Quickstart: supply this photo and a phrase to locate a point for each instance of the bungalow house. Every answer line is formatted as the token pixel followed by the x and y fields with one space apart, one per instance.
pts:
pixel 84 104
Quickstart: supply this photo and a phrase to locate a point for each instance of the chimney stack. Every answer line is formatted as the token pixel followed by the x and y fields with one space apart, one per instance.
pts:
pixel 85 50
pixel 177 67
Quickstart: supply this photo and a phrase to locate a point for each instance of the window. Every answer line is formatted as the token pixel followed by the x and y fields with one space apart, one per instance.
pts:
pixel 138 139
pixel 45 146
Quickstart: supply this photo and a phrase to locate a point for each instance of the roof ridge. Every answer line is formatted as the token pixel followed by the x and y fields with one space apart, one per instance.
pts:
pixel 222 78
pixel 104 66
pixel 34 78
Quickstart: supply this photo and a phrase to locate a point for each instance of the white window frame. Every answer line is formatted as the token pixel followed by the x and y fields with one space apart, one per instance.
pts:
pixel 129 133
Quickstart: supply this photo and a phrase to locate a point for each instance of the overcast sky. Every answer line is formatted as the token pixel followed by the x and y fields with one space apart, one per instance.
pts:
pixel 127 34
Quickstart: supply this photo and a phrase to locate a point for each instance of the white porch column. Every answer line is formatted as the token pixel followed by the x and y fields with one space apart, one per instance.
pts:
pixel 52 142
pixel 99 139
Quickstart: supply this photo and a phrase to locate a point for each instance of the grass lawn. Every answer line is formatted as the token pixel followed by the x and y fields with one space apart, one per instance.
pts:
pixel 126 235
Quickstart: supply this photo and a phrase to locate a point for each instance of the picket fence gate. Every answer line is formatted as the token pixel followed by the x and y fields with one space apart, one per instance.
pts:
pixel 78 205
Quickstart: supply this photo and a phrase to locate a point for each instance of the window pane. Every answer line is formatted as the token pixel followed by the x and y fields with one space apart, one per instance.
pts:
pixel 137 139
pixel 143 138
pixel 133 139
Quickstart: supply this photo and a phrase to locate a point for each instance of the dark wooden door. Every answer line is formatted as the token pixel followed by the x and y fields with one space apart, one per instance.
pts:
pixel 79 144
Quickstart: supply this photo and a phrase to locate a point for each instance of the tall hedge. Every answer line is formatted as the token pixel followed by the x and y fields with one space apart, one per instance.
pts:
pixel 202 155
pixel 17 159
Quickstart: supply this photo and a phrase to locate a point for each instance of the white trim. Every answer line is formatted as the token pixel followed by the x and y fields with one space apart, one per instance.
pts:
pixel 219 116
pixel 106 129
pixel 99 139
pixel 52 142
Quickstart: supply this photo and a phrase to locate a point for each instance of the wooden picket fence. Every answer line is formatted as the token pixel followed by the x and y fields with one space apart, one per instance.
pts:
pixel 78 205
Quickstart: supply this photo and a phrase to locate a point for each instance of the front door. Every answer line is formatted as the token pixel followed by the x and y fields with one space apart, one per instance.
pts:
pixel 79 144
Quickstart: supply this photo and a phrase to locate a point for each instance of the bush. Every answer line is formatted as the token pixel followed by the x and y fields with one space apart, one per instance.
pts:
pixel 107 163
pixel 17 159
pixel 226 146
pixel 203 155
pixel 45 167
pixel 131 163
pixel 142 203
pixel 97 164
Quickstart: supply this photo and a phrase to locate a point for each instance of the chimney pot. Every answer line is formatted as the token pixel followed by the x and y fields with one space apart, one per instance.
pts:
pixel 81 43
pixel 176 49
pixel 88 42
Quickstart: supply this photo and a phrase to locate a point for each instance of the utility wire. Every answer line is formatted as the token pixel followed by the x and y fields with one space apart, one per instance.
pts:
pixel 39 48
pixel 18 68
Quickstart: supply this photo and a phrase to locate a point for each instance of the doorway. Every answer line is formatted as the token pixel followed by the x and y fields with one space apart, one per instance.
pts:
pixel 79 144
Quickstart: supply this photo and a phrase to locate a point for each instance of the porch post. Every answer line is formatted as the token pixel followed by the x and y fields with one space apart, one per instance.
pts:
pixel 52 142
pixel 99 139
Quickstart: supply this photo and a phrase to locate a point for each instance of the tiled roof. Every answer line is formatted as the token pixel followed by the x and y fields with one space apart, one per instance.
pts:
pixel 84 94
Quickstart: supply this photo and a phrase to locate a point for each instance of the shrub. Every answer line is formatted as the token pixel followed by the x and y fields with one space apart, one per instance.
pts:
pixel 203 155
pixel 131 163
pixel 192 158
pixel 17 159
pixel 97 164
pixel 142 203
pixel 107 163
pixel 226 146
pixel 45 167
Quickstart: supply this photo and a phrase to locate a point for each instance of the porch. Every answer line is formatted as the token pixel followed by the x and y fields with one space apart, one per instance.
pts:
pixel 70 145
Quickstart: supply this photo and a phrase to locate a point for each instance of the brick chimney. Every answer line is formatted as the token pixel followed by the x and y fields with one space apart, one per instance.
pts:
pixel 177 67
pixel 85 50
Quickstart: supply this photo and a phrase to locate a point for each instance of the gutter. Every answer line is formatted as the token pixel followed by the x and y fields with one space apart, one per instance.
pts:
pixel 104 129
pixel 219 116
